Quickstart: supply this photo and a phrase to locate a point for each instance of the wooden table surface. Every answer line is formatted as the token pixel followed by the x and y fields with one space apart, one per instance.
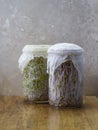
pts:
pixel 17 115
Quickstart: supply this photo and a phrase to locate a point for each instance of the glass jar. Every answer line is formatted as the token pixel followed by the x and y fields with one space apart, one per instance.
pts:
pixel 65 68
pixel 33 66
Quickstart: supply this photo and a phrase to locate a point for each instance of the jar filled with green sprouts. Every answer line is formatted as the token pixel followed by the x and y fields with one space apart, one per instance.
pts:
pixel 65 68
pixel 33 66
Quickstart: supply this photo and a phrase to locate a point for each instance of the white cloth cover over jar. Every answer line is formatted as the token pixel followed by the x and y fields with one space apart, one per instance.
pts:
pixel 58 54
pixel 35 77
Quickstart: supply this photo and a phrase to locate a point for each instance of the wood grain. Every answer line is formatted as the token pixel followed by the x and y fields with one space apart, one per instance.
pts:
pixel 17 115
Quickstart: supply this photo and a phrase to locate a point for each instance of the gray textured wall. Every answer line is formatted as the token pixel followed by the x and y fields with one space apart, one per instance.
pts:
pixel 46 22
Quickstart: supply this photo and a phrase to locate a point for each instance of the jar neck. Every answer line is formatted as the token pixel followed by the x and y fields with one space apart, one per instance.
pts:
pixel 37 54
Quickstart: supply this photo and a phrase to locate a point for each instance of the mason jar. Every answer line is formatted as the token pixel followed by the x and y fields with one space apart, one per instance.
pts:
pixel 65 68
pixel 33 66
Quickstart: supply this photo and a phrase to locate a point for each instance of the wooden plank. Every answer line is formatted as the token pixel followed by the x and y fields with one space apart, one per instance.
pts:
pixel 17 115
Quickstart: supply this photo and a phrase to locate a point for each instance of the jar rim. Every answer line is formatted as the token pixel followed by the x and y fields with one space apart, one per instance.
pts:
pixel 63 48
pixel 36 48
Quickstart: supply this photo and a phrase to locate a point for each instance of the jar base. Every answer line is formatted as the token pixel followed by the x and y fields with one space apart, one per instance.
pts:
pixel 35 101
pixel 65 105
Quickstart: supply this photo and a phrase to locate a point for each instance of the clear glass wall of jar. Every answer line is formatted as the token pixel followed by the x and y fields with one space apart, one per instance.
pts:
pixel 33 66
pixel 65 68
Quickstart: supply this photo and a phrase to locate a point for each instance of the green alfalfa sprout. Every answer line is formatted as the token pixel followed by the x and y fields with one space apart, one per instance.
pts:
pixel 35 76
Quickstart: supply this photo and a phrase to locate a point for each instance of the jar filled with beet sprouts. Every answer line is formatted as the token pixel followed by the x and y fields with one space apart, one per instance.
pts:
pixel 65 68
pixel 33 66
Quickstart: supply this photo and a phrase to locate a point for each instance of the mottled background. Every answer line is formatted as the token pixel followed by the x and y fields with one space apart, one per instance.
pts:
pixel 46 22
